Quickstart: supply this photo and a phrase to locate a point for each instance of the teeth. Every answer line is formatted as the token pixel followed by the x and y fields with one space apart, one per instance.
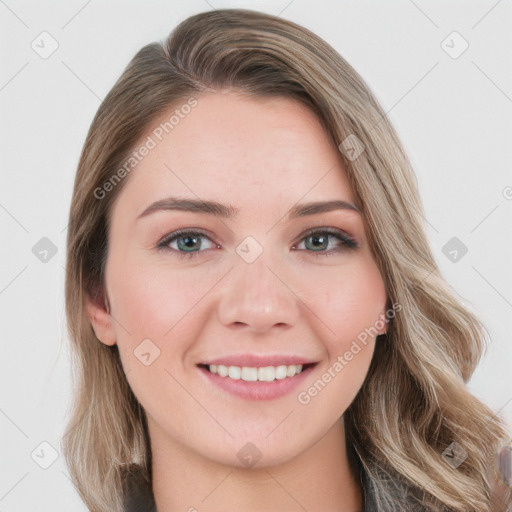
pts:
pixel 280 372
pixel 249 374
pixel 252 374
pixel 234 372
pixel 290 371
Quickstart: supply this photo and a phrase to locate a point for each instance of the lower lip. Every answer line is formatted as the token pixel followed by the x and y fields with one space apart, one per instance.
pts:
pixel 257 390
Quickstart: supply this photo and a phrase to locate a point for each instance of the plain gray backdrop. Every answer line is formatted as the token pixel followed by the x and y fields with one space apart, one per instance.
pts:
pixel 441 70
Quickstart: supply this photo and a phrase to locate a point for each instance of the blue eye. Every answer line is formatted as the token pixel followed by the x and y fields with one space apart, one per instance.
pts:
pixel 318 241
pixel 188 243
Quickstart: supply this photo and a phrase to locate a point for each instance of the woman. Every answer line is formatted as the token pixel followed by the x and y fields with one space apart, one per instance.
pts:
pixel 256 318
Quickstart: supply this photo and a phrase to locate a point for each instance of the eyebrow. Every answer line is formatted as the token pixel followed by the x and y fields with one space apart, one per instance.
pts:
pixel 230 212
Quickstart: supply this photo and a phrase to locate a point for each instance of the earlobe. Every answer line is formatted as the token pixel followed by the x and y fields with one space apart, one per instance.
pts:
pixel 100 319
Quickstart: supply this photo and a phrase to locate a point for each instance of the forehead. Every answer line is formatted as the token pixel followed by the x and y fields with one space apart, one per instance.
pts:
pixel 236 148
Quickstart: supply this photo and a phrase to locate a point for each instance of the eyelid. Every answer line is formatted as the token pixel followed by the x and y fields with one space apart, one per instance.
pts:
pixel 336 232
pixel 173 235
pixel 346 241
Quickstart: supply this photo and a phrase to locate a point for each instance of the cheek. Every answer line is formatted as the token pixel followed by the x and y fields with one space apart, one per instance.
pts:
pixel 349 311
pixel 153 300
pixel 353 300
pixel 156 321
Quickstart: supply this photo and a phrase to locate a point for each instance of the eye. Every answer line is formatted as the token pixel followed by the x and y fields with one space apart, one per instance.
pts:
pixel 186 244
pixel 319 240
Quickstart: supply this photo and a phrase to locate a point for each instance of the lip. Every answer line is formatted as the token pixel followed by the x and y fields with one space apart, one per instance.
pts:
pixel 256 390
pixel 257 360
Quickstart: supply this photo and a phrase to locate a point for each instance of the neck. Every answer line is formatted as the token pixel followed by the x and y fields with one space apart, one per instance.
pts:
pixel 319 479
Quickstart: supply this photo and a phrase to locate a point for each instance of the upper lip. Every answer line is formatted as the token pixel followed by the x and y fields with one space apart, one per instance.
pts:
pixel 257 360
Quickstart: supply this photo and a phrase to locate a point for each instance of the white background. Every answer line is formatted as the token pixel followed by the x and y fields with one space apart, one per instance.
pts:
pixel 454 117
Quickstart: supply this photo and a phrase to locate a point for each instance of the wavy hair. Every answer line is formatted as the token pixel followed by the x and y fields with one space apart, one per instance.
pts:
pixel 414 402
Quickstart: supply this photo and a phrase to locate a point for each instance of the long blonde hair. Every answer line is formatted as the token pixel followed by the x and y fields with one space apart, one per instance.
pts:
pixel 414 402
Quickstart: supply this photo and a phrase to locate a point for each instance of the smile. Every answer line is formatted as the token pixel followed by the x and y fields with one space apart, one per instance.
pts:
pixel 262 382
pixel 252 374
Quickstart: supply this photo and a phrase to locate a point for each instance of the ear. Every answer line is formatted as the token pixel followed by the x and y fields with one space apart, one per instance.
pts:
pixel 100 318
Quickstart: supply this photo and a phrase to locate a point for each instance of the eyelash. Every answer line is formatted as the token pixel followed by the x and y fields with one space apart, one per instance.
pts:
pixel 347 243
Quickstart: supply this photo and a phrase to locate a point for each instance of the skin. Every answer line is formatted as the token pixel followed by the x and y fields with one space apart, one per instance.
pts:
pixel 261 156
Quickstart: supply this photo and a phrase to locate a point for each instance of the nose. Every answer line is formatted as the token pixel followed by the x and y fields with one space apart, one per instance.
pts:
pixel 257 298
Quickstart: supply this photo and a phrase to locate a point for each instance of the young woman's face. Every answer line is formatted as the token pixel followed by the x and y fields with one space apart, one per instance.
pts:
pixel 256 285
